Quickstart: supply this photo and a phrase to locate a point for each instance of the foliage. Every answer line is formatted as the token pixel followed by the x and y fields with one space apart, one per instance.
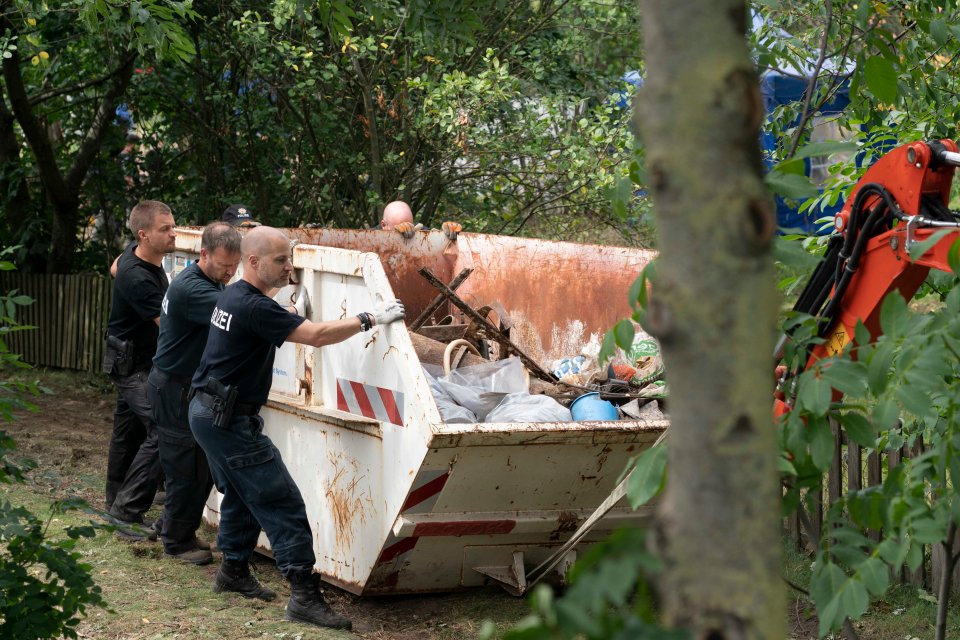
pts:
pixel 502 115
pixel 498 116
pixel 65 70
pixel 609 597
pixel 898 59
pixel 904 392
pixel 46 588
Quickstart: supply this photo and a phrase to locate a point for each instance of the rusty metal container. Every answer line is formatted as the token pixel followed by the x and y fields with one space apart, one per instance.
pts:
pixel 399 501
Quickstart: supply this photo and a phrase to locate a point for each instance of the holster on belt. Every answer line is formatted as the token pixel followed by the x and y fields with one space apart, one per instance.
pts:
pixel 118 357
pixel 224 398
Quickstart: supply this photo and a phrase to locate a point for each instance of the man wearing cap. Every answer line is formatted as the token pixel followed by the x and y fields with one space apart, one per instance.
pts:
pixel 230 387
pixel 238 215
pixel 184 325
pixel 133 463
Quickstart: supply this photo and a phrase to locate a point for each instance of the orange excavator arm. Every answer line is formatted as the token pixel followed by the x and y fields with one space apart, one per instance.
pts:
pixel 900 202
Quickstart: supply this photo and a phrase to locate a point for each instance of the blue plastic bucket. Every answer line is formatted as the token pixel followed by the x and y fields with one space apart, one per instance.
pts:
pixel 589 406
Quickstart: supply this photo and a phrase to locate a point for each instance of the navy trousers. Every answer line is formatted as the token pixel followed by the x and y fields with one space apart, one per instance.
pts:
pixel 258 492
pixel 183 461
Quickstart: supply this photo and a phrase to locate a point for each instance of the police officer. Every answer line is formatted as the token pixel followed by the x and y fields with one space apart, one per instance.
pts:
pixel 230 386
pixel 184 325
pixel 133 464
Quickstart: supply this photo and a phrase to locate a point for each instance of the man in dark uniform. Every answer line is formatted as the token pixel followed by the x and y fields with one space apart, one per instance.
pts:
pixel 230 386
pixel 184 325
pixel 133 465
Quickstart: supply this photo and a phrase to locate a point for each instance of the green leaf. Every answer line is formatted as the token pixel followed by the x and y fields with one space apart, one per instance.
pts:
pixel 878 367
pixel 846 376
pixel 822 443
pixel 825 148
pixel 939 31
pixel 894 315
pixel 858 429
pixel 885 414
pixel 920 248
pixel 875 575
pixel 623 332
pixel 796 187
pixel 894 552
pixel 637 295
pixel 927 531
pixel 607 348
pixel 881 78
pixel 953 257
pixel 914 556
pixel 648 475
pixel 814 395
pixel 836 596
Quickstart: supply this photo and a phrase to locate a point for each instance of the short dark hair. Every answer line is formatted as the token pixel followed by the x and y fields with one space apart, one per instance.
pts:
pixel 218 235
pixel 142 215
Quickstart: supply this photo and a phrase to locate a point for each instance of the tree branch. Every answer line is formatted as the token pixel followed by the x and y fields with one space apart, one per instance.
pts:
pixel 811 85
pixel 90 144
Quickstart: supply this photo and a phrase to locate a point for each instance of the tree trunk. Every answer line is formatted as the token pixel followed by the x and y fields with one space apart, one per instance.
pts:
pixel 713 307
pixel 14 193
pixel 948 548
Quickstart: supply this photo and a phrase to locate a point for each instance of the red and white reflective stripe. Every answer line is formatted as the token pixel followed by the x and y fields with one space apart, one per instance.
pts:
pixel 385 405
pixel 426 489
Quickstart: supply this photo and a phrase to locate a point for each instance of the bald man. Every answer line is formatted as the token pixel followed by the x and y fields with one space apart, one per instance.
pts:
pixel 396 212
pixel 229 387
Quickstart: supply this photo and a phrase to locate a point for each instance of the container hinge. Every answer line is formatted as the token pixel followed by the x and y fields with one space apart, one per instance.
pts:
pixel 511 578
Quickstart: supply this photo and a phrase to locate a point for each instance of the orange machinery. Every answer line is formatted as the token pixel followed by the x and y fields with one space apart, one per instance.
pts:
pixel 898 204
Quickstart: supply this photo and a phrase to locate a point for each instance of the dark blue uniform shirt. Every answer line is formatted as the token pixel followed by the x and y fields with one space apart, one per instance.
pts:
pixel 185 321
pixel 137 294
pixel 246 328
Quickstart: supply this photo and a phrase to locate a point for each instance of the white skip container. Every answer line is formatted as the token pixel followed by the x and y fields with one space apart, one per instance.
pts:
pixel 398 500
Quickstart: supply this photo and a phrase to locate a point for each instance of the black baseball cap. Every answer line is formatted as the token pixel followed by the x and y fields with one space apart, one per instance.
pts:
pixel 238 215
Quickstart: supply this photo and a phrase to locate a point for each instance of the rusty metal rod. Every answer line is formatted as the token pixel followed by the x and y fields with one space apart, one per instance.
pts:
pixel 491 329
pixel 456 282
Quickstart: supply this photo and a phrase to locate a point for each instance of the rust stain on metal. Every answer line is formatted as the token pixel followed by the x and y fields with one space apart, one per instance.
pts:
pixel 372 340
pixel 400 258
pixel 345 505
pixel 602 458
pixel 306 383
pixel 392 349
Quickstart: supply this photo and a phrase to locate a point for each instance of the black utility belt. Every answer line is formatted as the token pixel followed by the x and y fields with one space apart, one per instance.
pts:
pixel 238 409
pixel 172 377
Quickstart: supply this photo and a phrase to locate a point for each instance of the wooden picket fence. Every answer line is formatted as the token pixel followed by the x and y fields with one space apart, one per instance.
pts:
pixel 854 469
pixel 69 314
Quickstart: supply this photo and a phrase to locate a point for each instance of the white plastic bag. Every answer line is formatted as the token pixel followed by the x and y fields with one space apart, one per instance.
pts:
pixel 450 411
pixel 525 407
pixel 501 376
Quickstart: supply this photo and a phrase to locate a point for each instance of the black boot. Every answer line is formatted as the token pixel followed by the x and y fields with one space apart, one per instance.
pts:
pixel 235 576
pixel 308 605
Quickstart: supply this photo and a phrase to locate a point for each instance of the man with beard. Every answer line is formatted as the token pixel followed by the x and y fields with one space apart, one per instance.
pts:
pixel 230 386
pixel 184 326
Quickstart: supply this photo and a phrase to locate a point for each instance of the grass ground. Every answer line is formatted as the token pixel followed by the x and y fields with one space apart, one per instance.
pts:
pixel 155 598
pixel 152 598
pixel 903 613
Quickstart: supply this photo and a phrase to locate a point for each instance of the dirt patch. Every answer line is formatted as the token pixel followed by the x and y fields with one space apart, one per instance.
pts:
pixel 153 597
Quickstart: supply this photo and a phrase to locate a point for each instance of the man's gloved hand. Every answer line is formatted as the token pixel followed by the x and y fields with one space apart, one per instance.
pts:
pixel 451 229
pixel 301 302
pixel 387 312
pixel 407 229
